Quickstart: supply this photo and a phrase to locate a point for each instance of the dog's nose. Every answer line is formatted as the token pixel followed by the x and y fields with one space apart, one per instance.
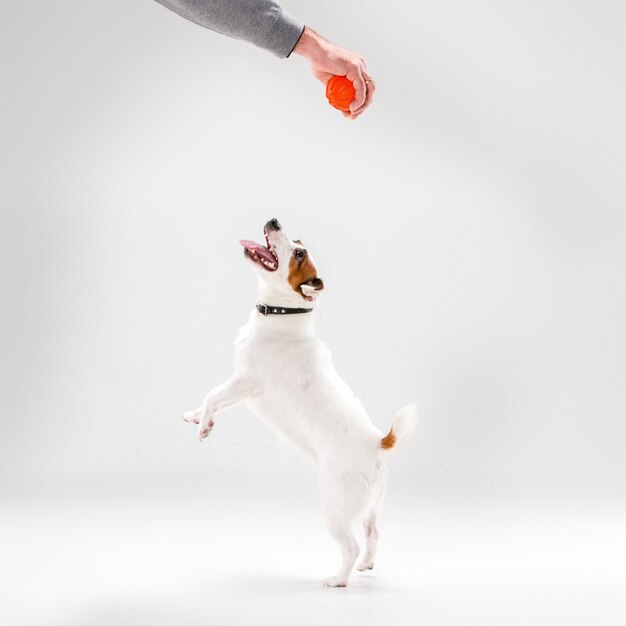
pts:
pixel 273 224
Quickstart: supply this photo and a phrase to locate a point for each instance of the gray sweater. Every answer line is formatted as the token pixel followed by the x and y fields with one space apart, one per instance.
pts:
pixel 261 22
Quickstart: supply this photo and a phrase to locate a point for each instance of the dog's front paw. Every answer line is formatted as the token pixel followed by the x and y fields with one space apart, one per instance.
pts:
pixel 334 581
pixel 192 417
pixel 205 427
pixel 364 566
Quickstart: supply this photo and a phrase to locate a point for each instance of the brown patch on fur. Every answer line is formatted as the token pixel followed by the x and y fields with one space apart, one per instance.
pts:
pixel 301 271
pixel 388 441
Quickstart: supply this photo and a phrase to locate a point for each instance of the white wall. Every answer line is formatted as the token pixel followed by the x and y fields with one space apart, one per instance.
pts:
pixel 469 228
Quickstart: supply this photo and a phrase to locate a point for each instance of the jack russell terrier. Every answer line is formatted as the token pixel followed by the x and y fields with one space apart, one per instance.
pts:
pixel 285 375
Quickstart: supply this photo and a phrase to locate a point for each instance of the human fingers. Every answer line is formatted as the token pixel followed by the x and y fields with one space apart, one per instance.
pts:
pixel 355 75
pixel 370 89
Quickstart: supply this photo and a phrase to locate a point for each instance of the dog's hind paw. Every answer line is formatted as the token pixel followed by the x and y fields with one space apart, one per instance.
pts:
pixel 365 566
pixel 334 581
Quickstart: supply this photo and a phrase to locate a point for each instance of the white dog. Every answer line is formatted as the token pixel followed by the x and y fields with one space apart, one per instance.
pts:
pixel 286 377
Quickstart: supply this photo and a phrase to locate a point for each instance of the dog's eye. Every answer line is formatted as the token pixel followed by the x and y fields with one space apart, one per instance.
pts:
pixel 299 254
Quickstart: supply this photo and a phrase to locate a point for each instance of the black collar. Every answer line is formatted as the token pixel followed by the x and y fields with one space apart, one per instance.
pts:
pixel 265 309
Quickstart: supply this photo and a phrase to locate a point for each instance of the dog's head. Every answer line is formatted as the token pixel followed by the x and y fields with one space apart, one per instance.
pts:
pixel 284 267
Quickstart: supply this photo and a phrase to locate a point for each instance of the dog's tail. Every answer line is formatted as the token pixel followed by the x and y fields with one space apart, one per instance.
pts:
pixel 403 424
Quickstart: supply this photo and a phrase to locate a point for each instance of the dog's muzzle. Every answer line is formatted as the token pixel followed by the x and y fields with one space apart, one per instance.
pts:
pixel 273 224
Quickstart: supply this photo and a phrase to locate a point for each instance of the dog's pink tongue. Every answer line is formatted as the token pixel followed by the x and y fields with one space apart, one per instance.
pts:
pixel 253 246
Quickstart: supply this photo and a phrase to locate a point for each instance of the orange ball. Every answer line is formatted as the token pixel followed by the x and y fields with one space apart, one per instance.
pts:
pixel 340 92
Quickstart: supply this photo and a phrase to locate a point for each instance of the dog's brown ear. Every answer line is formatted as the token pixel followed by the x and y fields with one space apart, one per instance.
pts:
pixel 310 288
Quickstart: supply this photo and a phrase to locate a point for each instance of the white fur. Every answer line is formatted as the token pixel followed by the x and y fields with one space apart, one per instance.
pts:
pixel 285 375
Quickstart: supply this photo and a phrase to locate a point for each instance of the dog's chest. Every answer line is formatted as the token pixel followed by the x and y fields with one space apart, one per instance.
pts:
pixel 275 358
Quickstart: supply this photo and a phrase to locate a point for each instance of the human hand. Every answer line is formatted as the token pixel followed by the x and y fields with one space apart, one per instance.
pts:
pixel 328 60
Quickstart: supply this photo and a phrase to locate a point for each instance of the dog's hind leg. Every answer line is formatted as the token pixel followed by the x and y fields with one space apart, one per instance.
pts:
pixel 371 534
pixel 344 498
pixel 341 531
pixel 371 541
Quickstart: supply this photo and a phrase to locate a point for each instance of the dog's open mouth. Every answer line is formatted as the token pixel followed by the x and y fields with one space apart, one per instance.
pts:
pixel 263 255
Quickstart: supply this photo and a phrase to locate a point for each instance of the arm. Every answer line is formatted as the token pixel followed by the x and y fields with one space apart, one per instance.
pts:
pixel 263 23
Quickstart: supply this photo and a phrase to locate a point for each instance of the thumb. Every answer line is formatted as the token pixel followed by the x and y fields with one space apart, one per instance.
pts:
pixel 322 76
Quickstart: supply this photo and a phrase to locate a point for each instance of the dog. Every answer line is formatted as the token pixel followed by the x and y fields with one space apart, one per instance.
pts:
pixel 285 375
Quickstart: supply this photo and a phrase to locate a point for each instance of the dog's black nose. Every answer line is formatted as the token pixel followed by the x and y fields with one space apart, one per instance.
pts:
pixel 273 224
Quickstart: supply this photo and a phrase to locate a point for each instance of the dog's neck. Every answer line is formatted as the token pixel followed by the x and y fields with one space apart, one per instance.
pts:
pixel 281 298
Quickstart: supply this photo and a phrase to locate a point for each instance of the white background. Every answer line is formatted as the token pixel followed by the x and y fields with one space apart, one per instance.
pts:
pixel 470 232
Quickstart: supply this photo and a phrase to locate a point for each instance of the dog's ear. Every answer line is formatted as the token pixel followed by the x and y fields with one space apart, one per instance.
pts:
pixel 310 288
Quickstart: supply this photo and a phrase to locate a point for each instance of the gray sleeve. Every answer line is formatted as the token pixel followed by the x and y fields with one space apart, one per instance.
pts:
pixel 261 22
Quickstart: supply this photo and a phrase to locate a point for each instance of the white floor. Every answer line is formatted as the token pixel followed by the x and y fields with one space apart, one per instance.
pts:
pixel 108 555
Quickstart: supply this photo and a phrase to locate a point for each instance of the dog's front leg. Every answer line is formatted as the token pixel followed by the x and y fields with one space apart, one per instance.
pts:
pixel 233 391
